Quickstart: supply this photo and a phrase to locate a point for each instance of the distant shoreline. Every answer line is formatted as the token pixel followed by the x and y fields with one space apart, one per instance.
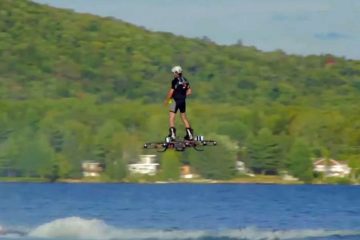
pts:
pixel 245 180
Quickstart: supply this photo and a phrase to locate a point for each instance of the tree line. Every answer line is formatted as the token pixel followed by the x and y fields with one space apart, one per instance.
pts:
pixel 41 136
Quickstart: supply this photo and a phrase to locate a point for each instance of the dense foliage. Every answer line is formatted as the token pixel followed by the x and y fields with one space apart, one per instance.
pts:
pixel 79 87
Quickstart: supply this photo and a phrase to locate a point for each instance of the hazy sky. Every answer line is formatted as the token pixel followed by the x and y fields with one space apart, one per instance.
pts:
pixel 295 26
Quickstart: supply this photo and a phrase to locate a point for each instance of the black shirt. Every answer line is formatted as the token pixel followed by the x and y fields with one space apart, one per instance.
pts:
pixel 180 86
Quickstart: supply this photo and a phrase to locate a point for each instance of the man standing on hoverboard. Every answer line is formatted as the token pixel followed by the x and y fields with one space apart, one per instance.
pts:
pixel 176 99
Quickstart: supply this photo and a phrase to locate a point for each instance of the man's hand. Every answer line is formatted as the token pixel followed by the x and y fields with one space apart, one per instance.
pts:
pixel 188 92
pixel 168 97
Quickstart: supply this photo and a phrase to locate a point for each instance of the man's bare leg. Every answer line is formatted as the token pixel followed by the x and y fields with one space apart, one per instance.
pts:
pixel 189 131
pixel 185 120
pixel 172 119
pixel 172 129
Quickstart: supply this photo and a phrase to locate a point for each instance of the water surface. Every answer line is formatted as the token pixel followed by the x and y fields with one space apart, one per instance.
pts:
pixel 179 211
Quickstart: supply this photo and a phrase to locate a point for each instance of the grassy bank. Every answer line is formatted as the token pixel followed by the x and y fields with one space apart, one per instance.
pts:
pixel 23 179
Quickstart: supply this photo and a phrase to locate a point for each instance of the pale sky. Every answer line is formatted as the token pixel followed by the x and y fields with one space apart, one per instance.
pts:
pixel 294 26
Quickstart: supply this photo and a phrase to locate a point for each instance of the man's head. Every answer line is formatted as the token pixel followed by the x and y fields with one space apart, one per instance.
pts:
pixel 177 71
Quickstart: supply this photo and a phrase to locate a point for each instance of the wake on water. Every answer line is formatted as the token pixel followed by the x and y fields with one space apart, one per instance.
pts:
pixel 93 229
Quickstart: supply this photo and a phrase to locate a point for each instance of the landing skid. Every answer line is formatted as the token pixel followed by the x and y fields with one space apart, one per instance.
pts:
pixel 180 145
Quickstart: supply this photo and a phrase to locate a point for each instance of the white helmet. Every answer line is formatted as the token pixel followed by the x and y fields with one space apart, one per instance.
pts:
pixel 176 69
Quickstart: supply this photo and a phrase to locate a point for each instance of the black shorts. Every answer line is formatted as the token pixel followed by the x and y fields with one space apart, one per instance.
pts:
pixel 177 105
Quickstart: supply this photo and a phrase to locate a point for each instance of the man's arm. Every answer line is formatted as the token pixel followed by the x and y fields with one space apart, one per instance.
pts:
pixel 168 96
pixel 188 91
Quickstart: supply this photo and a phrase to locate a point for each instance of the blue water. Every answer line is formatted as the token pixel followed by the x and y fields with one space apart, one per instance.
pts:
pixel 179 211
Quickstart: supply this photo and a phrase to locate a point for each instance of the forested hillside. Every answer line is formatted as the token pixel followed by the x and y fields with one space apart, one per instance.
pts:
pixel 79 87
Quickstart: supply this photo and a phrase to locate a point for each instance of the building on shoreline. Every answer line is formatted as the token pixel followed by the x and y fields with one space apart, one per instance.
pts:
pixel 240 167
pixel 147 165
pixel 332 168
pixel 186 172
pixel 92 168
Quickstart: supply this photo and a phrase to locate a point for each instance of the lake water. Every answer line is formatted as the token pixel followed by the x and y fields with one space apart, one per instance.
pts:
pixel 179 211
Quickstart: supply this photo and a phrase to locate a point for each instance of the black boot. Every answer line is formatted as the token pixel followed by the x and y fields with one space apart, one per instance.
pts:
pixel 172 133
pixel 189 134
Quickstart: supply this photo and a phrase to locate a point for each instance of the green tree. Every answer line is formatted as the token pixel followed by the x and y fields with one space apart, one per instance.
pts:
pixel 32 155
pixel 216 162
pixel 300 161
pixel 264 153
pixel 116 159
pixel 170 166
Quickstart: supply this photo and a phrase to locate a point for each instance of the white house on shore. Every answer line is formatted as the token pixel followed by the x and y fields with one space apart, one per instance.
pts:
pixel 146 165
pixel 186 172
pixel 332 168
pixel 240 167
pixel 91 168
